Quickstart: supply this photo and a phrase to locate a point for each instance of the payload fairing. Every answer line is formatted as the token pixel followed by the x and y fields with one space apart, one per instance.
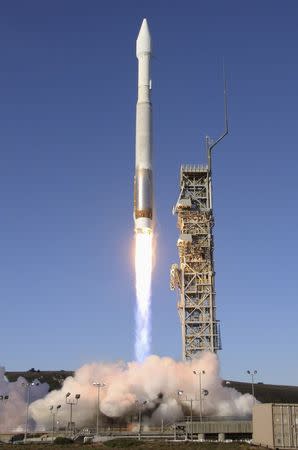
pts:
pixel 143 183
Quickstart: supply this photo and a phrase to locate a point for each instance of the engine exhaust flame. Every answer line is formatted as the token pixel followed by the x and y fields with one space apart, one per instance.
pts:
pixel 143 270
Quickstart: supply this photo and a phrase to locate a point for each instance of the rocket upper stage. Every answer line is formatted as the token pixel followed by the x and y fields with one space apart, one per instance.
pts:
pixel 143 186
pixel 144 39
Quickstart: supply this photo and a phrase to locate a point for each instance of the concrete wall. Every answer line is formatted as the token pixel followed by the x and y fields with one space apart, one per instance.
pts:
pixel 262 428
pixel 285 425
pixel 276 425
pixel 231 426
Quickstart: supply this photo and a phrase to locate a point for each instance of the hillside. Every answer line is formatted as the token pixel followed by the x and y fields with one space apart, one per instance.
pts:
pixel 265 393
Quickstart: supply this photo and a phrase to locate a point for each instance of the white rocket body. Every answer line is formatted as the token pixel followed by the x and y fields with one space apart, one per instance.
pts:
pixel 143 184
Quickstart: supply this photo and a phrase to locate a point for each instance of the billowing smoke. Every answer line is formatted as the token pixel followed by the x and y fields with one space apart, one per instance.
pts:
pixel 13 401
pixel 156 381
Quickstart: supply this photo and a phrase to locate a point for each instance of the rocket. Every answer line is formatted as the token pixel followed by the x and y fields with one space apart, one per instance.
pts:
pixel 143 184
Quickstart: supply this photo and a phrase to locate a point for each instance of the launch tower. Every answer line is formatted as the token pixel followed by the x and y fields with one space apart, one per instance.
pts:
pixel 194 276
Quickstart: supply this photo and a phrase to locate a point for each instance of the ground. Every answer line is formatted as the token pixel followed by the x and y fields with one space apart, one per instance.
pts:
pixel 120 444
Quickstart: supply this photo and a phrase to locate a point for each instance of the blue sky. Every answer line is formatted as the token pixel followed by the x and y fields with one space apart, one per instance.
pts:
pixel 68 77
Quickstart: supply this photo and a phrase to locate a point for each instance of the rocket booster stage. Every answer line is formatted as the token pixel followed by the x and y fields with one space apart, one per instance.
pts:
pixel 143 185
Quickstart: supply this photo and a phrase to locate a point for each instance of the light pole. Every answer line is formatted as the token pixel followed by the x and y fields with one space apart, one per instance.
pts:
pixel 71 402
pixel 200 373
pixel 4 397
pixel 180 393
pixel 140 406
pixel 53 413
pixel 98 386
pixel 57 422
pixel 28 386
pixel 252 373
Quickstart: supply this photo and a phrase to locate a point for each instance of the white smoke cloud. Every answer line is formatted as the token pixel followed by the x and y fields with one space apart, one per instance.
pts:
pixel 13 410
pixel 156 381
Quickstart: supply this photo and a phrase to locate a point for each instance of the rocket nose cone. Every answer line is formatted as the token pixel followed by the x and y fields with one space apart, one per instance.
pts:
pixel 144 39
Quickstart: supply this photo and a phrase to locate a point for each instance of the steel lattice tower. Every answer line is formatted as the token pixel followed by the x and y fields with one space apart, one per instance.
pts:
pixel 194 277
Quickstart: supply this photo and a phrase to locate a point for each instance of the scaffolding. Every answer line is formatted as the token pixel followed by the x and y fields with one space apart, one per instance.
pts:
pixel 194 277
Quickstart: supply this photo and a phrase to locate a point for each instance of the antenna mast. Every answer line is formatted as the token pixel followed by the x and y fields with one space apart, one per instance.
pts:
pixel 211 143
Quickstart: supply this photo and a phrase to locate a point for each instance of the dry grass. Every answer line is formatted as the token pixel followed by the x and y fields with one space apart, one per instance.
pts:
pixel 121 444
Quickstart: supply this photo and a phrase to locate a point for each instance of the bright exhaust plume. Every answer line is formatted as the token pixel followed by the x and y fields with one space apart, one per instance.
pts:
pixel 143 270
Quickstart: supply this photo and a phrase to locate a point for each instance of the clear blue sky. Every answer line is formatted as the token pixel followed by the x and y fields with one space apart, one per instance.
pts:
pixel 67 120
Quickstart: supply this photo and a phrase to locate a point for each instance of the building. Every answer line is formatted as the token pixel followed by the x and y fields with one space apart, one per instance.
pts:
pixel 275 425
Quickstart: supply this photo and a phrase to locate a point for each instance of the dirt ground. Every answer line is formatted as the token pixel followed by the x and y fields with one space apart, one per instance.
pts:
pixel 121 444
